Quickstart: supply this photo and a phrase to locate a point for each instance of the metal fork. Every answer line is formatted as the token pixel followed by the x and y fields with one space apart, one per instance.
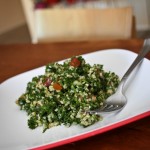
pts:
pixel 118 100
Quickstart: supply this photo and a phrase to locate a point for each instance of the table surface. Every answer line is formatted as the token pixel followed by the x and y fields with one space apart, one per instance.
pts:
pixel 18 58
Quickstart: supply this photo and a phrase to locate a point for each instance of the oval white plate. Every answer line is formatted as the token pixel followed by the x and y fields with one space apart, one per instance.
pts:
pixel 15 134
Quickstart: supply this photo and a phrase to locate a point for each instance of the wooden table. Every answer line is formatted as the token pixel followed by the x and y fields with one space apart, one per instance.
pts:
pixel 18 58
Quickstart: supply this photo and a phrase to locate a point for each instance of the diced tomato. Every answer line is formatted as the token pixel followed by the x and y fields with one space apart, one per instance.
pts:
pixel 75 62
pixel 57 86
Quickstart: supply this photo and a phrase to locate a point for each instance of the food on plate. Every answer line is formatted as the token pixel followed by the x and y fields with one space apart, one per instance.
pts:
pixel 65 91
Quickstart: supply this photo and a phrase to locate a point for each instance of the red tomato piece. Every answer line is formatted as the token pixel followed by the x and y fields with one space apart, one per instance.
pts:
pixel 75 62
pixel 57 86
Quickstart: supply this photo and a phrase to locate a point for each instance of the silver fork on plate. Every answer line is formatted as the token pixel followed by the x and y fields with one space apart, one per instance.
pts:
pixel 118 100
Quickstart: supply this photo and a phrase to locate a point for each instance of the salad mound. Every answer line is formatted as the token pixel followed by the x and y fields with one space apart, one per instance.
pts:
pixel 65 91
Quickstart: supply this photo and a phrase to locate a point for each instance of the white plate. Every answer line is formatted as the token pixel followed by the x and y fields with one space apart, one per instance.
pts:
pixel 15 134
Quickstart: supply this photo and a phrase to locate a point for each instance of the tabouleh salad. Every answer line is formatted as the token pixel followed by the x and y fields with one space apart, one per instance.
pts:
pixel 65 91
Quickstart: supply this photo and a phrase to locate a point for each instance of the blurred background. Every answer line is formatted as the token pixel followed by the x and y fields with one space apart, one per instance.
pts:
pixel 18 24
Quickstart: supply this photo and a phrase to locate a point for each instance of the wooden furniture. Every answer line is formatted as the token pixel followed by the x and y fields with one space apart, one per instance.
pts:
pixel 83 24
pixel 78 24
pixel 15 59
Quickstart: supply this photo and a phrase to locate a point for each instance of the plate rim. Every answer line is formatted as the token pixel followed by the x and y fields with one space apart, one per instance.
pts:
pixel 92 133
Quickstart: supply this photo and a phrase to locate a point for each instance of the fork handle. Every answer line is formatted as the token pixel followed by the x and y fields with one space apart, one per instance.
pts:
pixel 145 50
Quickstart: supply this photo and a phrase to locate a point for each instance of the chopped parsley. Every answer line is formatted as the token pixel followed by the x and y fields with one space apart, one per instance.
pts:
pixel 65 91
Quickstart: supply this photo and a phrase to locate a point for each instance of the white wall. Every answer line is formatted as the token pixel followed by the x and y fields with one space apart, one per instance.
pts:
pixel 11 15
pixel 142 13
pixel 148 10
